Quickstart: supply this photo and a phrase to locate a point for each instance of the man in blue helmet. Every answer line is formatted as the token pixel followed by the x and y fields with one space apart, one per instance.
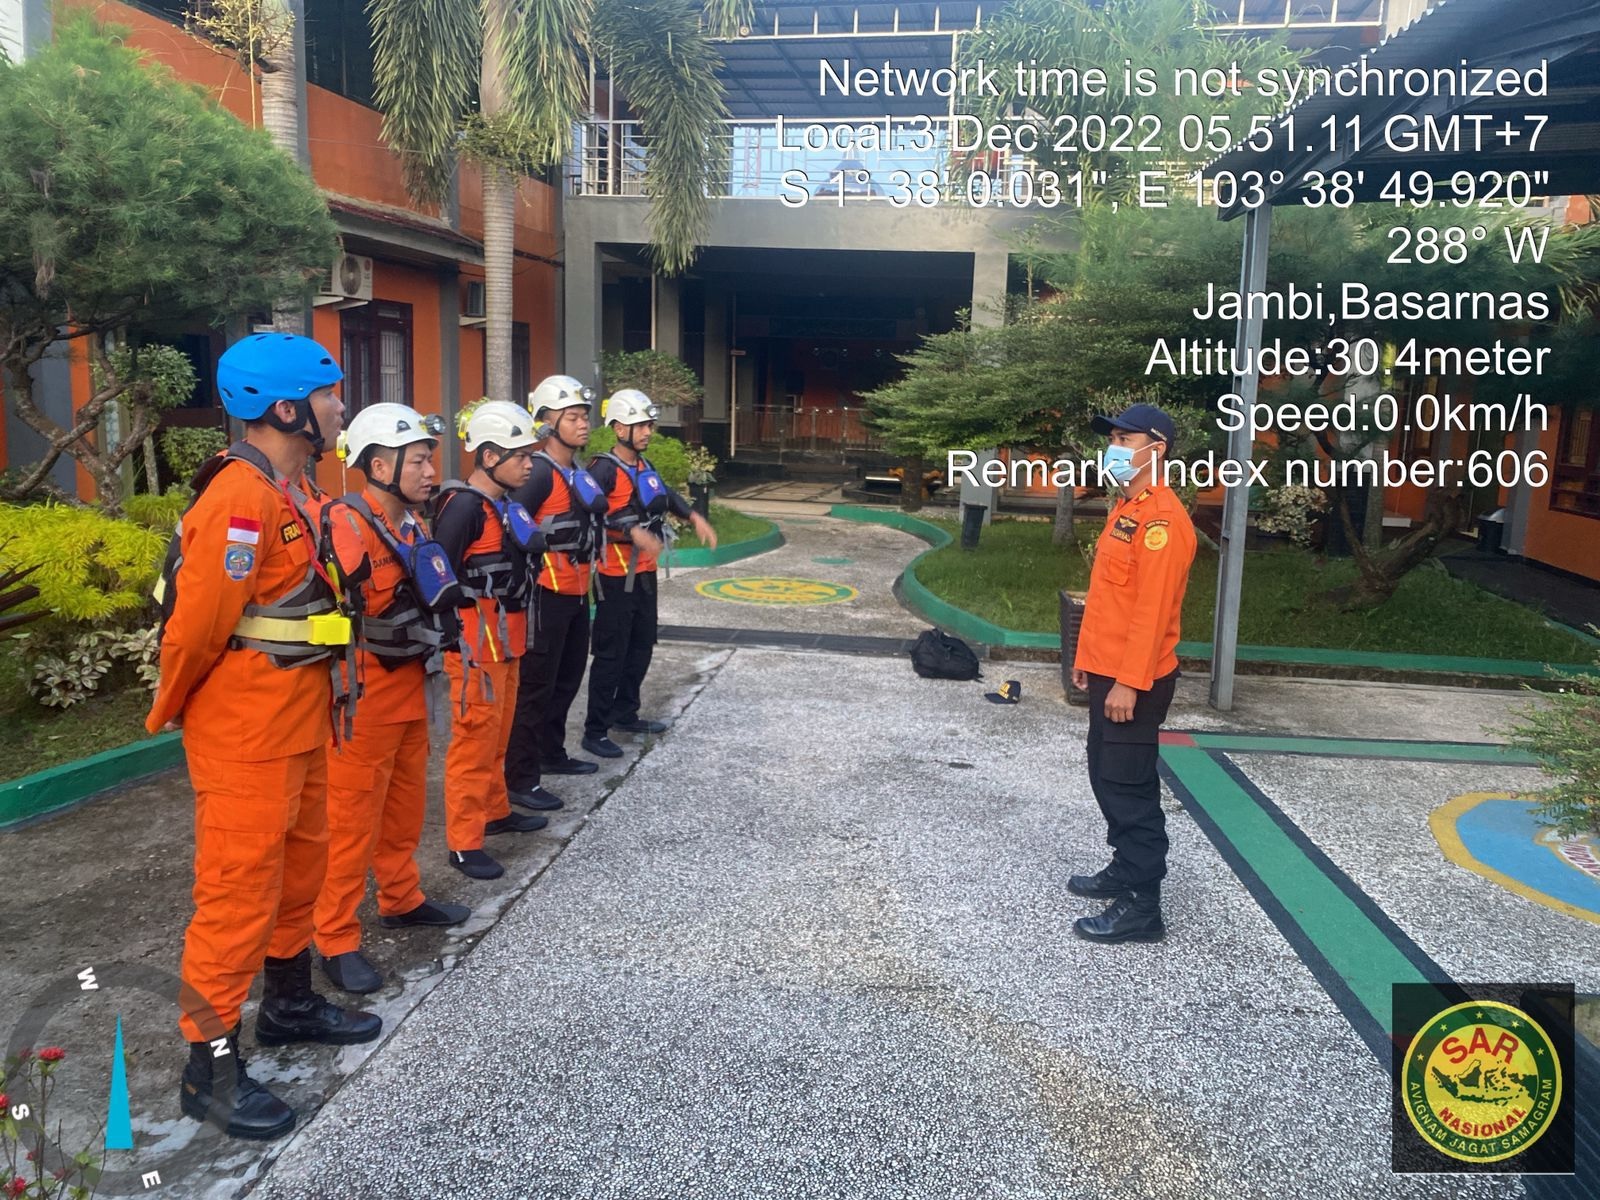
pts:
pixel 251 628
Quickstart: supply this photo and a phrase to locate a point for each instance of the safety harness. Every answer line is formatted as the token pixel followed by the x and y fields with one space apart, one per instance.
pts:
pixel 421 620
pixel 579 531
pixel 499 576
pixel 300 629
pixel 647 509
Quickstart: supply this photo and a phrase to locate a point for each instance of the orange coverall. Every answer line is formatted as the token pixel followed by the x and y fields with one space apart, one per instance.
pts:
pixel 378 779
pixel 254 735
pixel 474 777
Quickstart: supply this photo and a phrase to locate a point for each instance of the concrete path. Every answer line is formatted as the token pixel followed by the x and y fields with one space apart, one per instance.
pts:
pixel 819 948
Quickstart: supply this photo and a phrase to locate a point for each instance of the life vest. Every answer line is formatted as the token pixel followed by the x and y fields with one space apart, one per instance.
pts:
pixel 300 629
pixel 420 620
pixel 502 575
pixel 578 530
pixel 647 507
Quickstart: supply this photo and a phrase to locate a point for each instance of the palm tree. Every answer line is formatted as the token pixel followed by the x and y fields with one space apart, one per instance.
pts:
pixel 500 82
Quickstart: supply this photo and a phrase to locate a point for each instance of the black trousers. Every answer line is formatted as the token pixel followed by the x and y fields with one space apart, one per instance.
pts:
pixel 1123 757
pixel 552 673
pixel 624 643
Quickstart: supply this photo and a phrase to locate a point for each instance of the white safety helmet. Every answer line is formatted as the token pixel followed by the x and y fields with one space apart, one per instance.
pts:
pixel 558 391
pixel 630 406
pixel 387 425
pixel 499 423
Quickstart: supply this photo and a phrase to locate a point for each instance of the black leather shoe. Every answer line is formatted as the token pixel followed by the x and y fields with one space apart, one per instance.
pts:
pixel 217 1088
pixel 292 1012
pixel 476 864
pixel 603 746
pixel 537 799
pixel 429 912
pixel 1102 885
pixel 516 823
pixel 642 726
pixel 351 972
pixel 1135 917
pixel 569 766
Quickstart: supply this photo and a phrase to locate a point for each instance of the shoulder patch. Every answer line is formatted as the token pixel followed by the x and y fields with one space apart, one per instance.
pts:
pixel 238 560
pixel 246 530
pixel 1155 536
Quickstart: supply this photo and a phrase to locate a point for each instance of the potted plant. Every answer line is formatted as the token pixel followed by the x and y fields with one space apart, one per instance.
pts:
pixel 702 468
pixel 1290 512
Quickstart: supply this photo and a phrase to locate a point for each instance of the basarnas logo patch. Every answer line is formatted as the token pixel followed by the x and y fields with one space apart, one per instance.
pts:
pixel 1482 1081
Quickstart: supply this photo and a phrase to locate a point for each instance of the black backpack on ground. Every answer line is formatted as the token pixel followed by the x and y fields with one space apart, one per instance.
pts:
pixel 937 655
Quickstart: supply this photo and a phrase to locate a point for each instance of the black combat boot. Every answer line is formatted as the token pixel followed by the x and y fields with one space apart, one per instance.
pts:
pixel 292 1012
pixel 215 1083
pixel 1104 884
pixel 1132 917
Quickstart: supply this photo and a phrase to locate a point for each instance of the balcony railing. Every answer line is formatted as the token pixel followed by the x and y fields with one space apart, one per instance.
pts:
pixel 803 162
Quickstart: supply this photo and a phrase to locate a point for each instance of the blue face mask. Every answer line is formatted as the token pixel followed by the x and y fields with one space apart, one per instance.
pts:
pixel 1117 462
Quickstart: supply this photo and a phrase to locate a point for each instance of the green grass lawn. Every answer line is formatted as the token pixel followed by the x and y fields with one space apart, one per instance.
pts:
pixel 731 526
pixel 40 737
pixel 1014 575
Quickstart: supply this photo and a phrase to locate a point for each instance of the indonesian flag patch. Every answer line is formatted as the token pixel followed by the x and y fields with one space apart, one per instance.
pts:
pixel 243 529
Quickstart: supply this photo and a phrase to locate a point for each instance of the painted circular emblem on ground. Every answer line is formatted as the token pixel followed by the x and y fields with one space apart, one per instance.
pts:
pixel 1498 836
pixel 767 589
pixel 1481 1081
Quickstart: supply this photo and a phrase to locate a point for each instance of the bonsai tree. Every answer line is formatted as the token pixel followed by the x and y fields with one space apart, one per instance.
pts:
pixel 126 195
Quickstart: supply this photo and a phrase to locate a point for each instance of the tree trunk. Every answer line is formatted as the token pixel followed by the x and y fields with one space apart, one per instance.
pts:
pixel 911 484
pixel 280 112
pixel 1066 513
pixel 152 478
pixel 1380 574
pixel 280 92
pixel 499 209
pixel 499 240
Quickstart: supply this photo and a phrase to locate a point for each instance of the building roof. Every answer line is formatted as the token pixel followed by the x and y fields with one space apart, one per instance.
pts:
pixel 1495 34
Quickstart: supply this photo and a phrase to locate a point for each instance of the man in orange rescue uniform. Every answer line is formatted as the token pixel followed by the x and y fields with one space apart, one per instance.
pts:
pixel 1127 660
pixel 378 779
pixel 489 539
pixel 251 624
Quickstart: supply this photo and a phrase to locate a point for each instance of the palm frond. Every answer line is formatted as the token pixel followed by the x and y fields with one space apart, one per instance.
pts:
pixel 664 63
pixel 544 76
pixel 724 18
pixel 425 61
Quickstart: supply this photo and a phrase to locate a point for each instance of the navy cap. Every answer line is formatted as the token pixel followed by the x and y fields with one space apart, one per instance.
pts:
pixel 1139 418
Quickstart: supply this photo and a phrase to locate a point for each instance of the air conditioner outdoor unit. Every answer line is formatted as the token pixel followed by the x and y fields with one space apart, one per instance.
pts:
pixel 475 310
pixel 349 283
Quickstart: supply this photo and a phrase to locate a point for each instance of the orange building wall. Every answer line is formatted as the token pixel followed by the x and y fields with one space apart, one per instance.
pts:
pixel 187 57
pixel 1561 539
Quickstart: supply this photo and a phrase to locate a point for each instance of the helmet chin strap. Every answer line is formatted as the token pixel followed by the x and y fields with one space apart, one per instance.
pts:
pixel 306 426
pixel 628 441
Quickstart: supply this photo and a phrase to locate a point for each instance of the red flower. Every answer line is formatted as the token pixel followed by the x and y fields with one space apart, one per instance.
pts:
pixel 24 1054
pixel 5 1103
pixel 17 1186
pixel 52 1054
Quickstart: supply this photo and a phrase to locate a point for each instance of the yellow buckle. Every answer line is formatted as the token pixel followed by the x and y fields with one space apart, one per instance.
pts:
pixel 329 629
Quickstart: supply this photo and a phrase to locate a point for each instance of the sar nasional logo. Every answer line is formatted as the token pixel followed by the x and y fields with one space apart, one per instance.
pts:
pixel 1481 1081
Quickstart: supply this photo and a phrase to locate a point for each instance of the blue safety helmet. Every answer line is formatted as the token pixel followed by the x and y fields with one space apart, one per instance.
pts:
pixel 255 373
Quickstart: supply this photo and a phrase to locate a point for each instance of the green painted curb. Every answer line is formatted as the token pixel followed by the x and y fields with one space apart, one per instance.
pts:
pixel 941 612
pixel 46 791
pixel 700 556
pixel 975 628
